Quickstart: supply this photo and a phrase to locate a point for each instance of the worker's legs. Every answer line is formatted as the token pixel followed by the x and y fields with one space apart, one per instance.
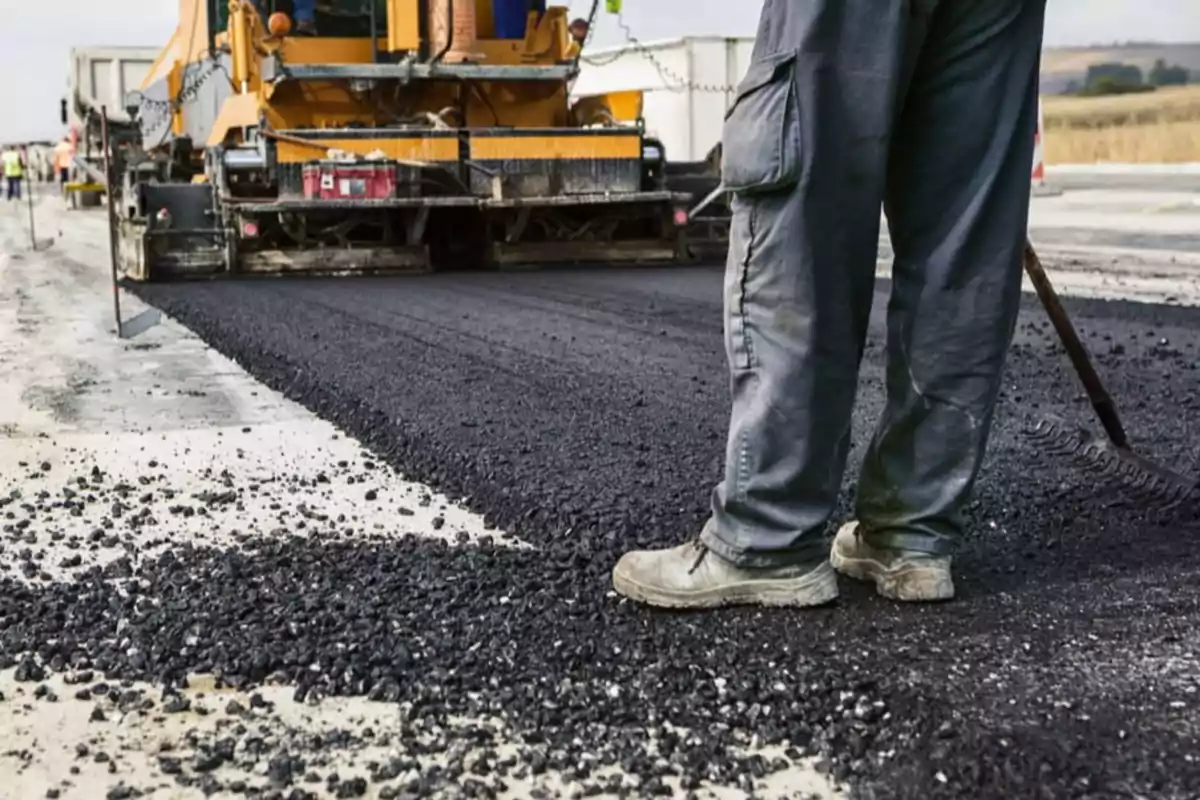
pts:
pixel 957 206
pixel 805 155
pixel 801 271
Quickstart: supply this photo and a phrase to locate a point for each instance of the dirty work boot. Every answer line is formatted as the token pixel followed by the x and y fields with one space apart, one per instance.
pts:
pixel 692 576
pixel 897 574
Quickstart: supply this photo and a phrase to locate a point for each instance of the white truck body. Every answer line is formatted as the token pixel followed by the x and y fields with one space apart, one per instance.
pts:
pixel 102 76
pixel 689 84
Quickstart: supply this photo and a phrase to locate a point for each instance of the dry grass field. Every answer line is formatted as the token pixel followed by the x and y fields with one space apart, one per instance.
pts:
pixel 1155 127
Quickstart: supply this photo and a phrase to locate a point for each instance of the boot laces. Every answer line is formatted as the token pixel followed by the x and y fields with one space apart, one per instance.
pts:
pixel 701 551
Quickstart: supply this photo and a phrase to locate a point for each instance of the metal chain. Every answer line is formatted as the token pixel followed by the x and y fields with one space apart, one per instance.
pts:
pixel 155 112
pixel 672 80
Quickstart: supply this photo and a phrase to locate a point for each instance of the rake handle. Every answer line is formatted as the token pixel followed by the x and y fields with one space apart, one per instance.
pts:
pixel 1101 400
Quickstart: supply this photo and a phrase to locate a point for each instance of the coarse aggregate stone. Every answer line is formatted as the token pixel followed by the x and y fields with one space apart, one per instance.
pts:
pixel 584 412
pixel 61 519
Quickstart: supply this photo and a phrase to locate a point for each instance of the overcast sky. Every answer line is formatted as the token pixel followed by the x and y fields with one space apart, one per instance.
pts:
pixel 35 36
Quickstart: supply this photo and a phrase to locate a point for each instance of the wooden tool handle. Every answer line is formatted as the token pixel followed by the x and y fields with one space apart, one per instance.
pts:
pixel 1102 402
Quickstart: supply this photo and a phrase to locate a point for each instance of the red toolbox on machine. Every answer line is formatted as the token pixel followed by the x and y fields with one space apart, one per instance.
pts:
pixel 349 180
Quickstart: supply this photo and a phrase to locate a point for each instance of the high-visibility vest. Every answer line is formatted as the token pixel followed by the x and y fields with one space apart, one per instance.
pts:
pixel 12 164
pixel 63 154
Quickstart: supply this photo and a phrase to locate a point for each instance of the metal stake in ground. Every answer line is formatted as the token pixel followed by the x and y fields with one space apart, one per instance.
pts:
pixel 112 217
pixel 32 230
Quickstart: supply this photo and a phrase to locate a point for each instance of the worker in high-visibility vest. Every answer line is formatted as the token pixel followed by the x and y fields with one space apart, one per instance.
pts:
pixel 64 156
pixel 14 171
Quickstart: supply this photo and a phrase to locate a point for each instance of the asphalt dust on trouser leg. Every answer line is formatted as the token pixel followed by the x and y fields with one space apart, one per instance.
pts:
pixel 927 108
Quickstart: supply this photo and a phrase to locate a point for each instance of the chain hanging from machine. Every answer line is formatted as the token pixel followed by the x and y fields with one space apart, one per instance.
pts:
pixel 153 113
pixel 672 81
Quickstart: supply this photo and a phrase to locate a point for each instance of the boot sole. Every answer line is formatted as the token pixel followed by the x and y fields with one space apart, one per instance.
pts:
pixel 909 583
pixel 816 588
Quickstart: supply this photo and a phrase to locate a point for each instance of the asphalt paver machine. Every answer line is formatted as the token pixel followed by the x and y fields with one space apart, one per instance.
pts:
pixel 393 135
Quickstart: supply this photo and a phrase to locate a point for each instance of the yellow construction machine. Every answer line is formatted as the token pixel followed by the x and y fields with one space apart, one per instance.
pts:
pixel 393 135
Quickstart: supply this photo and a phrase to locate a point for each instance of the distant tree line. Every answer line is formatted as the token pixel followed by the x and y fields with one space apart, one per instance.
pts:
pixel 1118 78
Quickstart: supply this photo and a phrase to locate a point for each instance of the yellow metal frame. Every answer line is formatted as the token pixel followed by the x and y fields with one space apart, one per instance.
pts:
pixel 540 148
pixel 429 149
pixel 334 104
pixel 403 30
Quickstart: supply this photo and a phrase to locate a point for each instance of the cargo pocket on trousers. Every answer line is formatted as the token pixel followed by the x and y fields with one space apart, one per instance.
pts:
pixel 760 143
pixel 760 163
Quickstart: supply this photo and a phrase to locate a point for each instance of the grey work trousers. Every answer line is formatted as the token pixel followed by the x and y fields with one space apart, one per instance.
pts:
pixel 926 108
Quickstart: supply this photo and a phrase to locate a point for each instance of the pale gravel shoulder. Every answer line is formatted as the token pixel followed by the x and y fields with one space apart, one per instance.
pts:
pixel 71 501
pixel 184 745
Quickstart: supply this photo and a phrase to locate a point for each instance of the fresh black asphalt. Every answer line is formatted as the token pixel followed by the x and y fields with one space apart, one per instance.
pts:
pixel 584 411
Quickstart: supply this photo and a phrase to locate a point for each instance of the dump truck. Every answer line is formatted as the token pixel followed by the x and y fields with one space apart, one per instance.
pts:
pixel 392 135
pixel 99 77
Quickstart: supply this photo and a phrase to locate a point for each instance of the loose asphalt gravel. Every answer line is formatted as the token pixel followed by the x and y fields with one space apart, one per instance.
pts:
pixel 584 412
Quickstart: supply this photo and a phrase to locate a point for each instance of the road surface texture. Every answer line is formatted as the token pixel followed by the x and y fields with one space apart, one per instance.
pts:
pixel 580 413
pixel 144 483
